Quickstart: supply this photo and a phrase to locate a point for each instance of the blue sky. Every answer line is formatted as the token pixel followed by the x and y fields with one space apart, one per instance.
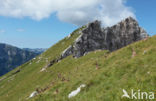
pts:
pixel 26 32
pixel 33 34
pixel 145 11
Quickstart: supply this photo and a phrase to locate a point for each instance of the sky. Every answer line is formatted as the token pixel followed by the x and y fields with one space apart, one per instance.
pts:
pixel 42 23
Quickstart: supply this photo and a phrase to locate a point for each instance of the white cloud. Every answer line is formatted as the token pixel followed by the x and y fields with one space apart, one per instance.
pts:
pixel 2 31
pixel 78 12
pixel 20 30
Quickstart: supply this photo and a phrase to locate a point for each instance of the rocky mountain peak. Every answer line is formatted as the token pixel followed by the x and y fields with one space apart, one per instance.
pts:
pixel 129 20
pixel 94 37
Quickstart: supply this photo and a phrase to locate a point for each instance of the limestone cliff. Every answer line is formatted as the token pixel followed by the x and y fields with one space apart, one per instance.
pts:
pixel 94 37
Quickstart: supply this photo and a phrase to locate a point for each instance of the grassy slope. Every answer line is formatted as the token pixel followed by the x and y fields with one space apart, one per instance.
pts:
pixel 117 71
pixel 20 86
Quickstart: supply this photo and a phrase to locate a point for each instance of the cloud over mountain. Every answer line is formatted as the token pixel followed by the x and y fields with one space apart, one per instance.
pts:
pixel 78 12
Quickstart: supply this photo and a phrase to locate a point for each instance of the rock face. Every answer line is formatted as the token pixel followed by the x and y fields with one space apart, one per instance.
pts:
pixel 94 37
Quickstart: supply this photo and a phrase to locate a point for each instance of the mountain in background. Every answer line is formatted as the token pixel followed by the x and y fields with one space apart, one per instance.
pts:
pixel 12 57
pixel 35 50
pixel 105 60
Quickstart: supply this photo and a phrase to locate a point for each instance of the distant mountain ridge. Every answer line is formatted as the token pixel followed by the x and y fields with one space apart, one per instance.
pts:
pixel 35 50
pixel 11 57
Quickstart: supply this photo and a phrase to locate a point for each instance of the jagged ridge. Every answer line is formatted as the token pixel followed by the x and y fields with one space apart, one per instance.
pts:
pixel 93 37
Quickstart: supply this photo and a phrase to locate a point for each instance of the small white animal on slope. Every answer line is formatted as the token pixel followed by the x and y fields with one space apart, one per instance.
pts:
pixel 33 94
pixel 75 92
pixel 43 69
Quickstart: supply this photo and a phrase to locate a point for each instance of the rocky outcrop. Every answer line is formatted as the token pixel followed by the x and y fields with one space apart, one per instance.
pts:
pixel 94 37
pixel 67 52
